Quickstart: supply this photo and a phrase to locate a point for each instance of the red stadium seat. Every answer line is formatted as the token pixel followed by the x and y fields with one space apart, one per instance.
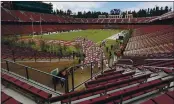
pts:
pixel 163 99
pixel 24 86
pixel 148 102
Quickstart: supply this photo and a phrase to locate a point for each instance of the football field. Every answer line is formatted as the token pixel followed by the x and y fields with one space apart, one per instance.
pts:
pixel 94 35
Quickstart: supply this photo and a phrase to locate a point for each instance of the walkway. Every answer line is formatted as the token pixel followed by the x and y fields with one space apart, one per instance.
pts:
pixel 115 36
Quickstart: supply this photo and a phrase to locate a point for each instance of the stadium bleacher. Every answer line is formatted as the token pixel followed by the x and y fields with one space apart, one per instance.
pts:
pixel 100 89
pixel 157 40
pixel 26 87
pixel 143 86
pixel 16 15
pixel 130 92
pixel 119 82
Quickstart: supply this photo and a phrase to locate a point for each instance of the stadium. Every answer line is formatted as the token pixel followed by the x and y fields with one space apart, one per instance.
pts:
pixel 56 56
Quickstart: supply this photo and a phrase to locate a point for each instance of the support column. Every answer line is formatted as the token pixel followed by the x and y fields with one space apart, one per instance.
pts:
pixel 54 83
pixel 91 71
pixel 72 76
pixel 13 55
pixel 35 56
pixel 121 100
pixel 66 84
pixel 7 65
pixel 50 57
pixel 27 75
pixel 102 62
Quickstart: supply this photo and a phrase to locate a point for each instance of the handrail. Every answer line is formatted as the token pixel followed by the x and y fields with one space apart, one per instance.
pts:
pixel 124 64
pixel 158 67
pixel 34 69
pixel 159 59
pixel 127 60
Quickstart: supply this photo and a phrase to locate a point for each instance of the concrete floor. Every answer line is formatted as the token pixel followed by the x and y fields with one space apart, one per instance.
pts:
pixel 18 96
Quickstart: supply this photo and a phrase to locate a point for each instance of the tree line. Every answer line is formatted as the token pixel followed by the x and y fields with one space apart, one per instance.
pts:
pixel 156 11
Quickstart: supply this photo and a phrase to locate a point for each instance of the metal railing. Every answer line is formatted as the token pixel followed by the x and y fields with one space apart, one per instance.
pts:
pixel 161 59
pixel 72 69
pixel 45 78
pixel 30 73
pixel 159 67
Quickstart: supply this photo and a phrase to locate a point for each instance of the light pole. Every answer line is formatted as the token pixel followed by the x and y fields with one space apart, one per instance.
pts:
pixel 40 24
pixel 32 24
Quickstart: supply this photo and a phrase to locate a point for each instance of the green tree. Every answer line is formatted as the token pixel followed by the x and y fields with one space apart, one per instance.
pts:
pixel 157 11
pixel 42 45
pixel 69 12
pixel 161 11
pixel 57 11
pixel 166 9
pixel 134 13
pixel 79 14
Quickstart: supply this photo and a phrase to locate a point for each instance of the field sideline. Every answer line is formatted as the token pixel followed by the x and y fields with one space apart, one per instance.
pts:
pixel 94 35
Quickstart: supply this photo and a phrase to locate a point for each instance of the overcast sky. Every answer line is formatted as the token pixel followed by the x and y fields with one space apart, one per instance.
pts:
pixel 107 6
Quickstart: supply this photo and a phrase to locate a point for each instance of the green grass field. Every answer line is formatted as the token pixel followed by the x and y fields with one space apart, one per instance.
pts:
pixel 94 35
